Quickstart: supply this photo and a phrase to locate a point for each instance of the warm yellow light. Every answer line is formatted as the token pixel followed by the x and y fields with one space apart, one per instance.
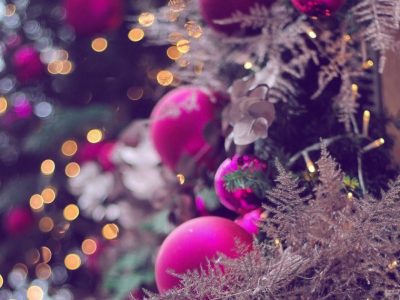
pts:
pixel 183 46
pixel 46 254
pixel 47 167
pixel 72 169
pixel 311 33
pixel 72 261
pixel 1 281
pixel 48 194
pixel 393 265
pixel 181 178
pixel 368 64
pixel 66 67
pixel 34 292
pixel 94 136
pixel 43 271
pixel 173 53
pixel 136 34
pixel 366 119
pixel 71 212
pixel 174 37
pixel 36 202
pixel 110 231
pixel 135 93
pixel 193 29
pixel 350 195
pixel 89 246
pixel 373 145
pixel 55 67
pixel 69 148
pixel 309 164
pixel 248 65
pixel 165 77
pixel 99 44
pixel 146 19
pixel 46 224
pixel 3 105
pixel 354 88
pixel 277 243
pixel 347 37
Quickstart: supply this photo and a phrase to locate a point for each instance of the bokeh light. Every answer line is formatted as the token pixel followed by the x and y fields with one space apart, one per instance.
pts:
pixel 72 261
pixel 165 77
pixel 43 271
pixel 47 167
pixel 173 53
pixel 36 202
pixel 135 93
pixel 46 254
pixel 183 46
pixel 72 169
pixel 136 34
pixel 110 231
pixel 69 148
pixel 99 44
pixel 49 195
pixel 3 105
pixel 46 224
pixel 146 19
pixel 94 136
pixel 89 246
pixel 71 212
pixel 35 292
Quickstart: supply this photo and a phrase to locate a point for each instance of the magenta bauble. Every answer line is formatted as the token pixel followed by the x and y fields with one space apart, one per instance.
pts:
pixel 214 10
pixel 190 245
pixel 251 221
pixel 240 200
pixel 318 8
pixel 27 64
pixel 177 125
pixel 89 17
pixel 99 152
pixel 17 221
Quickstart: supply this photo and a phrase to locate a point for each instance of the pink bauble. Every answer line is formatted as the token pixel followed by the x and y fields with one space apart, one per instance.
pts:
pixel 17 221
pixel 318 8
pixel 190 245
pixel 214 10
pixel 99 152
pixel 240 200
pixel 27 64
pixel 250 221
pixel 89 17
pixel 177 124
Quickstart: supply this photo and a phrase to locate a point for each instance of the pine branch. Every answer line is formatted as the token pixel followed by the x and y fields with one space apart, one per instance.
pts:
pixel 247 179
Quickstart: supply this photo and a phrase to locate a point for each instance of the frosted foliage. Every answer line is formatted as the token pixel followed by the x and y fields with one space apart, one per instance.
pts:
pixel 325 246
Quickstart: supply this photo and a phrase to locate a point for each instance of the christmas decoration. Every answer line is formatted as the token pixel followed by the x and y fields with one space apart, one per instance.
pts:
pixel 17 221
pixel 100 152
pixel 191 244
pixel 89 17
pixel 27 64
pixel 177 125
pixel 214 11
pixel 251 221
pixel 318 8
pixel 230 186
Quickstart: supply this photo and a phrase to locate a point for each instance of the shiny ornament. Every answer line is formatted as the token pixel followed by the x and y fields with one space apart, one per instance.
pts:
pixel 177 125
pixel 27 64
pixel 190 245
pixel 89 17
pixel 100 152
pixel 250 221
pixel 240 200
pixel 214 10
pixel 318 8
pixel 17 221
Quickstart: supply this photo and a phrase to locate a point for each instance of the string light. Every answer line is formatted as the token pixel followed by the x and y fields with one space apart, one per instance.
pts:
pixel 173 53
pixel 393 265
pixel 311 33
pixel 136 34
pixel 347 37
pixel 181 178
pixel 72 169
pixel 3 105
pixel 72 261
pixel 146 19
pixel 368 64
pixel 71 212
pixel 366 119
pixel 34 292
pixel 46 224
pixel 165 77
pixel 94 136
pixel 36 202
pixel 309 164
pixel 350 196
pixel 99 44
pixel 89 246
pixel 183 46
pixel 248 65
pixel 47 167
pixel 49 195
pixel 373 145
pixel 354 88
pixel 277 243
pixel 110 231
